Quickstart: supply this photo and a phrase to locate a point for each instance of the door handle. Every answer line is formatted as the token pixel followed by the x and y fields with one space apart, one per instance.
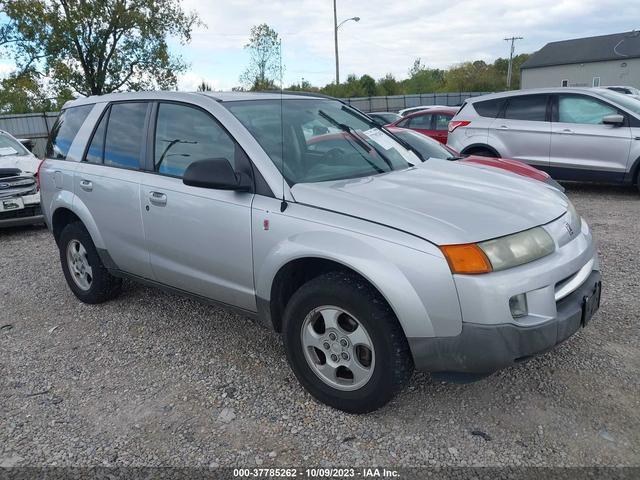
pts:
pixel 503 127
pixel 159 199
pixel 86 185
pixel 565 131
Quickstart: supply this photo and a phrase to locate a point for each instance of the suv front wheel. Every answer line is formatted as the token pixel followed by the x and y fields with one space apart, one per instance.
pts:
pixel 86 276
pixel 345 344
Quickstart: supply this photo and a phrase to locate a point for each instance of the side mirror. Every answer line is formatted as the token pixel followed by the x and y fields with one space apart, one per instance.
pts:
pixel 615 120
pixel 216 173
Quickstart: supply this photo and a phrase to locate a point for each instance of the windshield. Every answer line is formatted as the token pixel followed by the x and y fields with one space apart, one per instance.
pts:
pixel 316 140
pixel 10 146
pixel 427 147
pixel 625 101
pixel 386 117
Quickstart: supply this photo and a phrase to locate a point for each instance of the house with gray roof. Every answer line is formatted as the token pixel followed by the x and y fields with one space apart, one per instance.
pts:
pixel 585 62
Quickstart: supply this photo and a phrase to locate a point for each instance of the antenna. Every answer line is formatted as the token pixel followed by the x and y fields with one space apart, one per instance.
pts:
pixel 283 203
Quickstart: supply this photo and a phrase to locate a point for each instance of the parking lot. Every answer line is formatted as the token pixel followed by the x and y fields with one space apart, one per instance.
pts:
pixel 158 380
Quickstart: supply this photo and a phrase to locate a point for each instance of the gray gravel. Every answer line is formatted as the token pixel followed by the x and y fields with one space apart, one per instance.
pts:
pixel 155 379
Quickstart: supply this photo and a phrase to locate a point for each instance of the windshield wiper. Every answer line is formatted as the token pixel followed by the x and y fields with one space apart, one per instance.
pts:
pixel 347 129
pixel 402 142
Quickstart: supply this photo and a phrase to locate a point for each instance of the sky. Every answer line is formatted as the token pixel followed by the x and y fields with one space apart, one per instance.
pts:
pixel 389 36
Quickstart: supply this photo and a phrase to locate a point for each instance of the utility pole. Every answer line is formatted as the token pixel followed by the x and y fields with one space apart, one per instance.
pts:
pixel 513 46
pixel 335 37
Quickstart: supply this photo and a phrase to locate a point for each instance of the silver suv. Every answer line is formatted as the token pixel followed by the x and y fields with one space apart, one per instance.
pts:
pixel 300 212
pixel 584 134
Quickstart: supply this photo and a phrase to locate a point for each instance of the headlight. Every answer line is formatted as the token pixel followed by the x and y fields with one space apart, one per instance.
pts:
pixel 575 220
pixel 517 249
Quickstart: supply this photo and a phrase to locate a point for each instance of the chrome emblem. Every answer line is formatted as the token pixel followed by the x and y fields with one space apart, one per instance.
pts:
pixel 569 229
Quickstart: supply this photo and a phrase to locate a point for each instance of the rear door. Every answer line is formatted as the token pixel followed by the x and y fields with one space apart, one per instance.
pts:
pixel 107 182
pixel 523 131
pixel 199 239
pixel 582 147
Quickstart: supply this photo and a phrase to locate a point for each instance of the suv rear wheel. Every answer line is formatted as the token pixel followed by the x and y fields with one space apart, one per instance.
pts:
pixel 86 276
pixel 344 343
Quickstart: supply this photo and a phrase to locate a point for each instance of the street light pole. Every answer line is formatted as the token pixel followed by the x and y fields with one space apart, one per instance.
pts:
pixel 335 37
pixel 336 26
pixel 510 69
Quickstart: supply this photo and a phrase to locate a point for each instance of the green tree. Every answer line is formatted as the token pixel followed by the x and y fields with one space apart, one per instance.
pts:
pixel 99 46
pixel 388 85
pixel 204 87
pixel 264 59
pixel 367 84
pixel 21 92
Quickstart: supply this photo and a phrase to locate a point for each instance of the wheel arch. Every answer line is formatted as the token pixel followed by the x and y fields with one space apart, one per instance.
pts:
pixel 474 147
pixel 289 265
pixel 76 211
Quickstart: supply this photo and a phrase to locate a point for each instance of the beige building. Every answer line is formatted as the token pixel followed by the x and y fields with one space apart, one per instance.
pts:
pixel 585 62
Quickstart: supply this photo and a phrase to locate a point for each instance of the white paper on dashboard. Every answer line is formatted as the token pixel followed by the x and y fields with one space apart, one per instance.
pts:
pixel 380 138
pixel 8 151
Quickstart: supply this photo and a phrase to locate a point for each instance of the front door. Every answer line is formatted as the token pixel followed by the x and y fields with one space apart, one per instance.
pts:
pixel 199 239
pixel 582 147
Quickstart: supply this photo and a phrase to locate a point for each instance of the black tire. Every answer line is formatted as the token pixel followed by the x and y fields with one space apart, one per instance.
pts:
pixel 103 286
pixel 484 152
pixel 393 362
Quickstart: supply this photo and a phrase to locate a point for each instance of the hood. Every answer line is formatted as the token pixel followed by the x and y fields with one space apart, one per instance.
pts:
pixel 514 166
pixel 27 164
pixel 441 201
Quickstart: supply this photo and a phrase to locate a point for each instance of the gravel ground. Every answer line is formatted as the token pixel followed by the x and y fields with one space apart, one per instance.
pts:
pixel 158 380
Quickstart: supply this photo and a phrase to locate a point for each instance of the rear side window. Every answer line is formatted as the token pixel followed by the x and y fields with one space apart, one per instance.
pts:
pixel 488 108
pixel 420 121
pixel 184 135
pixel 124 138
pixel 95 153
pixel 527 107
pixel 65 130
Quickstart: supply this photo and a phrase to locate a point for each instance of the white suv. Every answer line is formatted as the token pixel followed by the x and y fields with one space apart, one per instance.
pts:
pixel 584 134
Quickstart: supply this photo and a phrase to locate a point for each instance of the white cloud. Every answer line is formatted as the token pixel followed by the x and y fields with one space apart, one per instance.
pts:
pixel 391 35
pixel 6 69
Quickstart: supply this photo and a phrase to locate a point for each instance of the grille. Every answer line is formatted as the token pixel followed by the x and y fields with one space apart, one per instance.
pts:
pixel 29 211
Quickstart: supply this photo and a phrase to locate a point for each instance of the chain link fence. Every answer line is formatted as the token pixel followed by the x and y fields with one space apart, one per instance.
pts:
pixel 394 103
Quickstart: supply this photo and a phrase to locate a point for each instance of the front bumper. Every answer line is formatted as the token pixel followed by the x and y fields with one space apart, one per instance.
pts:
pixel 29 215
pixel 484 348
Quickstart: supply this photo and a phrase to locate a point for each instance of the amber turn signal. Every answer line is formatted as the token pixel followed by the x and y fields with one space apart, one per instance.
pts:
pixel 466 259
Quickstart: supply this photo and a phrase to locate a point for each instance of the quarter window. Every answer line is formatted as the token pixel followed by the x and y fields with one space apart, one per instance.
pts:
pixel 65 130
pixel 125 135
pixel 185 135
pixel 442 121
pixel 527 107
pixel 583 109
pixel 488 108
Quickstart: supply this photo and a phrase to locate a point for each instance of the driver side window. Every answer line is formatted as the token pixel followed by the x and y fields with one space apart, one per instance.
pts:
pixel 583 109
pixel 186 134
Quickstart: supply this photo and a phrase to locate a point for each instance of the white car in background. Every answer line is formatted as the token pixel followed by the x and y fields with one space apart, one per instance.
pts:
pixel 406 111
pixel 19 186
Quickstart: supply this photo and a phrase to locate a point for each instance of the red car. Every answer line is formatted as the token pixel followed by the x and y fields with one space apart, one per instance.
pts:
pixel 429 148
pixel 433 122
